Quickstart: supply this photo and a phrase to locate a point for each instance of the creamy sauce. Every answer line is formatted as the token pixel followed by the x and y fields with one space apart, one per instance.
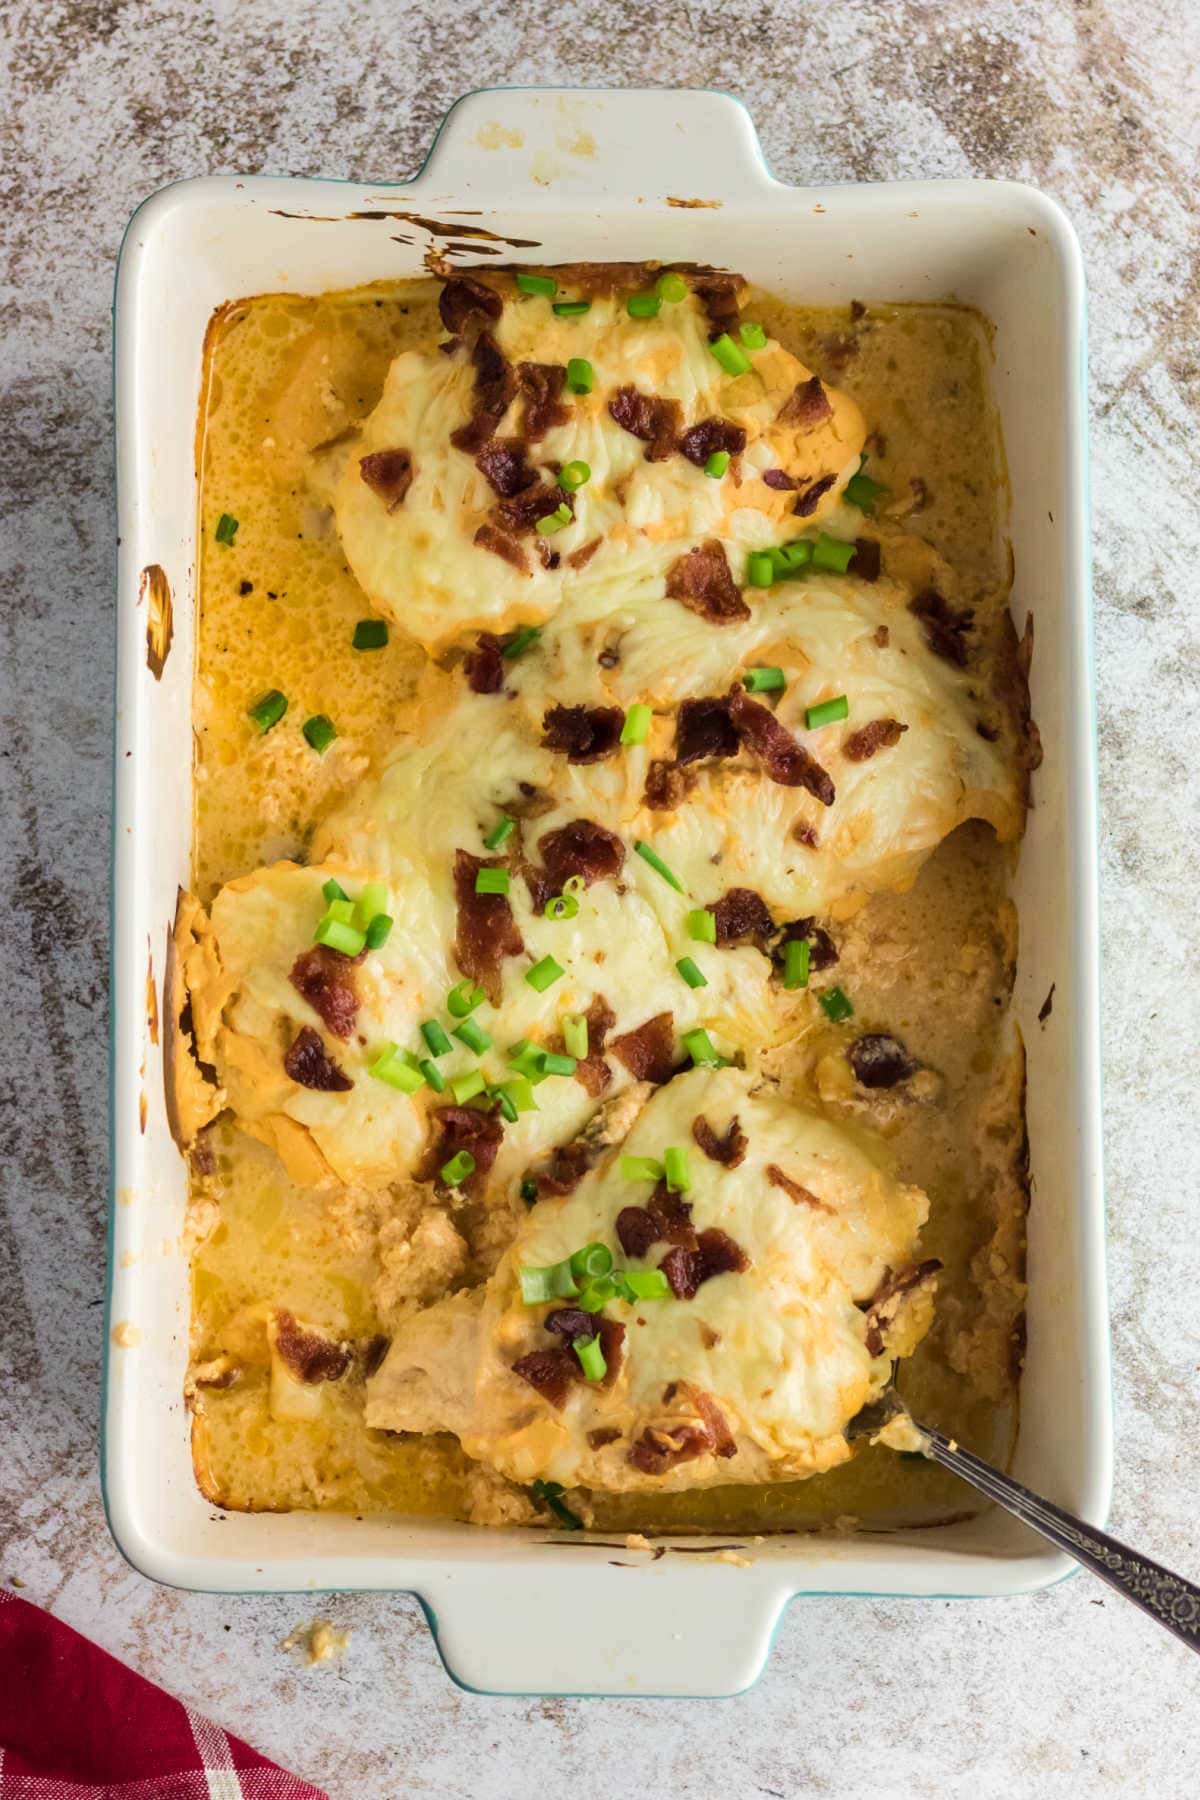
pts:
pixel 933 966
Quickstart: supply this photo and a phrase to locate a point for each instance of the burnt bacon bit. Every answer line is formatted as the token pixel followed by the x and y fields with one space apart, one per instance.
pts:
pixel 495 386
pixel 521 512
pixel 542 385
pixel 325 978
pixel 822 951
pixel 484 666
pixel 866 561
pixel 486 930
pixel 583 734
pixel 807 406
pixel 701 581
pixel 702 440
pixel 458 1128
pixel 636 1231
pixel 584 849
pixel 667 786
pixel 784 760
pixel 388 473
pixel 880 1060
pixel 550 1372
pixel 807 502
pixel 649 1051
pixel 884 1306
pixel 880 734
pixel 310 1356
pixel 309 1064
pixel 716 1253
pixel 794 1189
pixel 645 416
pixel 463 299
pixel 742 917
pixel 570 1323
pixel 945 626
pixel 704 729
pixel 502 464
pixel 719 298
pixel 780 480
pixel 728 1149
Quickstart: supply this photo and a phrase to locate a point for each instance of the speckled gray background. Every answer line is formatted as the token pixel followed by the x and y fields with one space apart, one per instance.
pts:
pixel 1066 1694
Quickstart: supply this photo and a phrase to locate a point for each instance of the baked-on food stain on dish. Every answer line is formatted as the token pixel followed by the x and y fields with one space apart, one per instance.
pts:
pixel 154 590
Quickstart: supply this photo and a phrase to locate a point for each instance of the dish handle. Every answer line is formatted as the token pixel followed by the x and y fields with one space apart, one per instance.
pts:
pixel 685 146
pixel 673 1623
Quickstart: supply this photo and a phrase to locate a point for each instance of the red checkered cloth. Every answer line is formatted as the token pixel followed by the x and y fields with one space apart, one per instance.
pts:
pixel 75 1724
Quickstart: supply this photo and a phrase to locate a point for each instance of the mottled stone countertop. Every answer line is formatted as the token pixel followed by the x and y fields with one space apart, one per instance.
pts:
pixel 1067 1693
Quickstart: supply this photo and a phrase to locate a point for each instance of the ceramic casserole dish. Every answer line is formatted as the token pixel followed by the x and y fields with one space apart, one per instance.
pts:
pixel 593 176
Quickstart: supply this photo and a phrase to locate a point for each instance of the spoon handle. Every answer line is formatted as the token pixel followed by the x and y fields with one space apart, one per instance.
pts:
pixel 1168 1598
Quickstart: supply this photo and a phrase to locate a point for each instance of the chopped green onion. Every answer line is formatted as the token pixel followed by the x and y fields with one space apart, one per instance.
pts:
pixel 592 1260
pixel 433 1075
pixel 717 464
pixel 492 881
pixel 835 1005
pixel 792 559
pixel 752 335
pixel 591 1357
pixel 370 634
pixel 702 926
pixel 520 1092
pixel 394 1067
pixel 472 1034
pixel 572 309
pixel 827 713
pixel 268 709
pixel 731 356
pixel 340 909
pixel 529 1190
pixel 504 1101
pixel 526 1059
pixel 671 286
pixel 640 1168
pixel 861 491
pixel 643 1284
pixel 675 1162
pixel 765 679
pixel 760 569
pixel 574 475
pixel 435 1037
pixel 575 1035
pixel 553 1062
pixel 465 1087
pixel 702 1050
pixel 500 832
pixel 463 998
pixel 458 1168
pixel 520 640
pixel 644 306
pixel 636 728
pixel 373 899
pixel 831 554
pixel 560 906
pixel 319 732
pixel 379 931
pixel 597 1294
pixel 553 1283
pixel 226 528
pixel 544 974
pixel 537 284
pixel 333 890
pixel 549 523
pixel 795 963
pixel 656 862
pixel 694 976
pixel 575 885
pixel 549 1493
pixel 581 377
pixel 338 935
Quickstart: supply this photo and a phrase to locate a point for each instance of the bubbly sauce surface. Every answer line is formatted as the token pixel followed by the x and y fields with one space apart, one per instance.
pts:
pixel 278 607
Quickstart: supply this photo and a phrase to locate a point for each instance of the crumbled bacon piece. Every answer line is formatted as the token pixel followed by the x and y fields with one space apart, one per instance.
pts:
pixel 583 734
pixel 722 1439
pixel 701 581
pixel 591 1071
pixel 484 666
pixel 489 537
pixel 880 1060
pixel 325 978
pixel 716 1253
pixel 310 1356
pixel 542 385
pixel 806 503
pixel 571 1323
pixel 880 734
pixel 310 1065
pixel 742 917
pixel 551 1372
pixel 704 729
pixel 607 1434
pixel 784 760
pixel 388 473
pixel 461 1128
pixel 657 1450
pixel 502 463
pixel 803 833
pixel 581 848
pixel 486 930
pixel 704 439
pixel 728 1150
pixel 649 1051
pixel 793 1189
pixel 807 406
pixel 579 558
pixel 945 626
pixel 822 951
pixel 779 479
pixel 612 1348
pixel 636 1231
pixel 866 561
pixel 564 1169
pixel 463 298
pixel 885 1303
pixel 520 513
pixel 671 1218
pixel 667 785
pixel 645 416
pixel 495 385
pixel 719 297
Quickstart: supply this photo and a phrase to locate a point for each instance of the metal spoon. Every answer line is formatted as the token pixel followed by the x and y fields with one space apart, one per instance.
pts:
pixel 1168 1598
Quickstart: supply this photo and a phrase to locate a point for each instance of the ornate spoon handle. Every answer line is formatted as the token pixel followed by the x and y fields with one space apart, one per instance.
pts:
pixel 1168 1598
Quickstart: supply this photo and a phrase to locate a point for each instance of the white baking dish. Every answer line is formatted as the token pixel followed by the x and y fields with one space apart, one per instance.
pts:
pixel 592 175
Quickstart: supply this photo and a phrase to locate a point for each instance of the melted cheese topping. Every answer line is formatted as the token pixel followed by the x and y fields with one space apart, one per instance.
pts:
pixel 780 1347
